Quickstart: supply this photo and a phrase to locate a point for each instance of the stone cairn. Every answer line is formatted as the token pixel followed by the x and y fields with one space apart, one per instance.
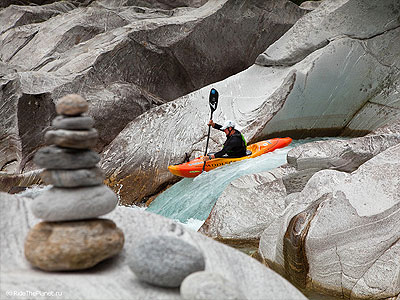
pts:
pixel 71 236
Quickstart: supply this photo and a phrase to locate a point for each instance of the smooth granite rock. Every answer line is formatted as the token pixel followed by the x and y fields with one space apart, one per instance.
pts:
pixel 76 139
pixel 72 105
pixel 165 260
pixel 245 208
pixel 64 204
pixel 208 285
pixel 53 157
pixel 68 246
pixel 114 279
pixel 73 178
pixel 73 123
pixel 341 233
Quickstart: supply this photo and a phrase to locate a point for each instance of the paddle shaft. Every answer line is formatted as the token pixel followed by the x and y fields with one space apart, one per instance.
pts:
pixel 208 138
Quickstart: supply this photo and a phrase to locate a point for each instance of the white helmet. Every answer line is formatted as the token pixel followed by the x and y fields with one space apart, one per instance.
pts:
pixel 227 124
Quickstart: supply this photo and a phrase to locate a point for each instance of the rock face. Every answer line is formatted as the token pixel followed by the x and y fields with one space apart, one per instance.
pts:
pixel 117 56
pixel 72 245
pixel 341 232
pixel 367 69
pixel 344 83
pixel 165 260
pixel 113 279
pixel 66 245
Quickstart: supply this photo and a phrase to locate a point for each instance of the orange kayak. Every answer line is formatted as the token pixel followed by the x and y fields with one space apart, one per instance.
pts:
pixel 194 167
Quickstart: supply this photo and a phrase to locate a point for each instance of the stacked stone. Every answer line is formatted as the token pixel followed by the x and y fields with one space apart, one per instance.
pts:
pixel 71 236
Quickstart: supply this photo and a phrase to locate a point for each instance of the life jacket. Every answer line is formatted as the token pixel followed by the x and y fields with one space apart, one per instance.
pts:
pixel 240 149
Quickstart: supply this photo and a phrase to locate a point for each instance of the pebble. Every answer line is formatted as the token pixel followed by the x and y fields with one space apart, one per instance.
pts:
pixel 72 105
pixel 64 204
pixel 164 260
pixel 67 246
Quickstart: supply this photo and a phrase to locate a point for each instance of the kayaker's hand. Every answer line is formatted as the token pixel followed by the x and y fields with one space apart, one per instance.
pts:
pixel 211 123
pixel 206 158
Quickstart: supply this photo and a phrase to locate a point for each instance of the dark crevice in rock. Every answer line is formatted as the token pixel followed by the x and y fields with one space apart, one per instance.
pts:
pixel 371 36
pixel 294 250
pixel 341 271
pixel 26 42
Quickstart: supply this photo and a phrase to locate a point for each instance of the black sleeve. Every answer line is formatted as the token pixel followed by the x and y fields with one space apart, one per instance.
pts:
pixel 217 126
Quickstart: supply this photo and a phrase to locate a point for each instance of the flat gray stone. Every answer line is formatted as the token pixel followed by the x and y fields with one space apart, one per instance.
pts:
pixel 73 178
pixel 164 260
pixel 73 123
pixel 77 139
pixel 64 204
pixel 54 157
pixel 209 285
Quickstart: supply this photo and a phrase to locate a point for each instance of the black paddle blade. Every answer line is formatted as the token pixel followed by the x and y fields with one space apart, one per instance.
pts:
pixel 213 99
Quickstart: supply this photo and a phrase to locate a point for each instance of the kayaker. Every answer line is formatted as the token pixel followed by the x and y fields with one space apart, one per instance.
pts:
pixel 235 144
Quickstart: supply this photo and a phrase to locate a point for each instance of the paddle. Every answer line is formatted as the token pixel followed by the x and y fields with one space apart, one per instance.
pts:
pixel 213 101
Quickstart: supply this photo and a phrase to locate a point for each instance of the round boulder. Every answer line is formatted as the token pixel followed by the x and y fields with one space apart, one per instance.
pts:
pixel 66 246
pixel 165 261
pixel 72 105
pixel 208 285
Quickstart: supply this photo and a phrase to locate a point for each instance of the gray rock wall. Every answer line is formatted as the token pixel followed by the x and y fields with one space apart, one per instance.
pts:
pixel 123 59
pixel 342 82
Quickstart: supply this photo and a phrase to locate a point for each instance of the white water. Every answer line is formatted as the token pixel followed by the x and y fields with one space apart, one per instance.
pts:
pixel 190 200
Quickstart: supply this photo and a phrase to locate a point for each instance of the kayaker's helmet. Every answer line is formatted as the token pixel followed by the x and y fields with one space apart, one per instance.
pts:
pixel 227 124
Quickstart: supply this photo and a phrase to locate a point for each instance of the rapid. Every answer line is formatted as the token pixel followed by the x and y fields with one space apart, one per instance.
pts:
pixel 191 200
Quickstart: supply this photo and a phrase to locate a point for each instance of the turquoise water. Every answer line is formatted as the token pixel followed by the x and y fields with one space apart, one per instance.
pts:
pixel 191 199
